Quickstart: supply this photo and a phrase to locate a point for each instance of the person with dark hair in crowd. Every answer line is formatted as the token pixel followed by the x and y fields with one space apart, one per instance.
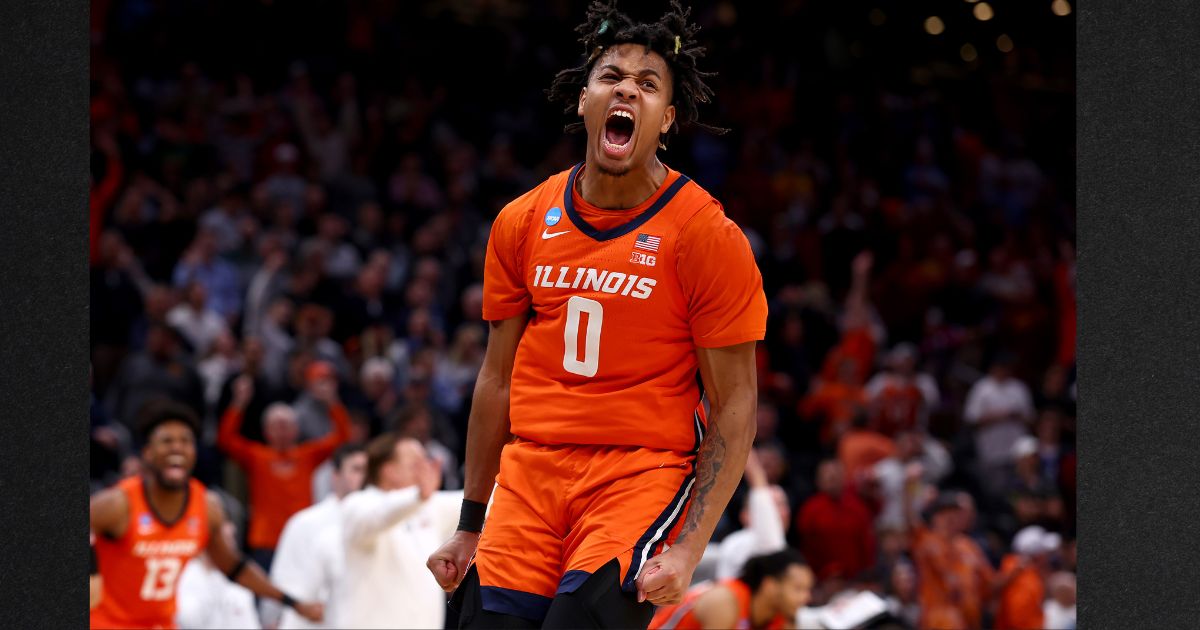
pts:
pixel 634 499
pixel 954 575
pixel 296 565
pixel 147 527
pixel 162 369
pixel 389 528
pixel 835 527
pixel 771 589
pixel 280 471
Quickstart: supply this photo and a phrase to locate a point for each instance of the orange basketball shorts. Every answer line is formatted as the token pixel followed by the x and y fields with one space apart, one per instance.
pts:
pixel 559 513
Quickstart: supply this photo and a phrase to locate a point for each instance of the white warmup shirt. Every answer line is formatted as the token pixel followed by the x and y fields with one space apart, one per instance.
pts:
pixel 295 568
pixel 205 598
pixel 763 535
pixel 388 536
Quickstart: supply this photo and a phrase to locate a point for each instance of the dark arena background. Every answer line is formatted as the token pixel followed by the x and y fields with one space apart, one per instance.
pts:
pixel 277 184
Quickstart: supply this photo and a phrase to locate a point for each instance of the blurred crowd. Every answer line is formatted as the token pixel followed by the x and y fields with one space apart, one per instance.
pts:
pixel 288 221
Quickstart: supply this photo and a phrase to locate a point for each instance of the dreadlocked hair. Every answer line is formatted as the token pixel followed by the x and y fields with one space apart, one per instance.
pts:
pixel 672 37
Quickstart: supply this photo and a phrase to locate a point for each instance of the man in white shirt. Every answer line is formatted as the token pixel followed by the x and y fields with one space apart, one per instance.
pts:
pixel 389 529
pixel 300 565
pixel 998 406
pixel 765 518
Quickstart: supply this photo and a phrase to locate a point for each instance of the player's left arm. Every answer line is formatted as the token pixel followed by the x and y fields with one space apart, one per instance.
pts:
pixel 730 382
pixel 245 571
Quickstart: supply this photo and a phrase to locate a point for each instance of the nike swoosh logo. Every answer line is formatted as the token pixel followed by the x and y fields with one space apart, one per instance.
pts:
pixel 548 234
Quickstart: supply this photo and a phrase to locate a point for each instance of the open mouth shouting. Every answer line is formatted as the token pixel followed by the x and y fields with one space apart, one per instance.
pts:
pixel 175 468
pixel 619 127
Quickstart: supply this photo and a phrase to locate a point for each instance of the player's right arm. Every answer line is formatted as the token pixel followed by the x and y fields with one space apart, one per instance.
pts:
pixel 487 433
pixel 109 516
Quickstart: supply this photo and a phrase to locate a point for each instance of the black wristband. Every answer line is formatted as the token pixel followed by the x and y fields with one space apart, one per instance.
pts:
pixel 287 600
pixel 237 569
pixel 94 563
pixel 470 519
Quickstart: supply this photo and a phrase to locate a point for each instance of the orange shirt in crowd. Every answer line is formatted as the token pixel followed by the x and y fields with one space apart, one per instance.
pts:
pixel 954 578
pixel 859 450
pixel 857 346
pixel 977 575
pixel 1022 598
pixel 280 481
pixel 835 404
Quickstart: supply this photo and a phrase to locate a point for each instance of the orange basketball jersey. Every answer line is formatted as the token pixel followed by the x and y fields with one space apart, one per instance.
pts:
pixel 620 301
pixel 681 617
pixel 140 569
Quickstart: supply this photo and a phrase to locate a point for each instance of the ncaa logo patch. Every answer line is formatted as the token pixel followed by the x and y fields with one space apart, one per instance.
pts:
pixel 145 524
pixel 553 216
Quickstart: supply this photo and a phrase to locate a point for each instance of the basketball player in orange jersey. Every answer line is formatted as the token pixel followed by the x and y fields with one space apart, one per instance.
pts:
pixel 146 528
pixel 609 288
pixel 769 592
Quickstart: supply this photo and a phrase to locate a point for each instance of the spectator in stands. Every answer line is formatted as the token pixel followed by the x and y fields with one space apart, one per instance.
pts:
pixel 265 390
pixel 279 472
pixel 834 527
pixel 1022 582
pixel 201 264
pixel 313 414
pixel 162 369
pixel 298 568
pixel 390 528
pixel 1034 499
pixel 902 594
pixel 1059 610
pixel 913 449
pixel 943 594
pixel 900 398
pixel 998 408
pixel 764 517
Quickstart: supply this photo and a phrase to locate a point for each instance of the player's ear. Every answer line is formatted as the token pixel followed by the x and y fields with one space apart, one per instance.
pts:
pixel 668 119
pixel 582 100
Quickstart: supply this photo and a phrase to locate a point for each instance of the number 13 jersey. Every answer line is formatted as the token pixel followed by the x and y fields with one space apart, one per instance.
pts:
pixel 620 301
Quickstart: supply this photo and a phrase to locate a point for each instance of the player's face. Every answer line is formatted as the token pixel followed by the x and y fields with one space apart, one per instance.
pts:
pixel 170 454
pixel 795 590
pixel 625 107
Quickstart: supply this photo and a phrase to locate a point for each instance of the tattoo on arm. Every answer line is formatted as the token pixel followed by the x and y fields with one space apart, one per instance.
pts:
pixel 709 461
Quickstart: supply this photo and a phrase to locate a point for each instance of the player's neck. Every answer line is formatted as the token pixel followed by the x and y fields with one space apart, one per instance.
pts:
pixel 620 192
pixel 761 611
pixel 168 503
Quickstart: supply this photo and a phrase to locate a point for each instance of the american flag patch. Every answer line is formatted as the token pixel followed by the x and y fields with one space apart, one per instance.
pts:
pixel 647 242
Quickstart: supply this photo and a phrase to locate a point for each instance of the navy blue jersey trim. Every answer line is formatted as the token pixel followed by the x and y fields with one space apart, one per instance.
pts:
pixel 572 580
pixel 657 532
pixel 507 601
pixel 620 230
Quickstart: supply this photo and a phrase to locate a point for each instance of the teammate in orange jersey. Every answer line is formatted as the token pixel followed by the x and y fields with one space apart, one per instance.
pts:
pixel 146 528
pixel 609 289
pixel 769 592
